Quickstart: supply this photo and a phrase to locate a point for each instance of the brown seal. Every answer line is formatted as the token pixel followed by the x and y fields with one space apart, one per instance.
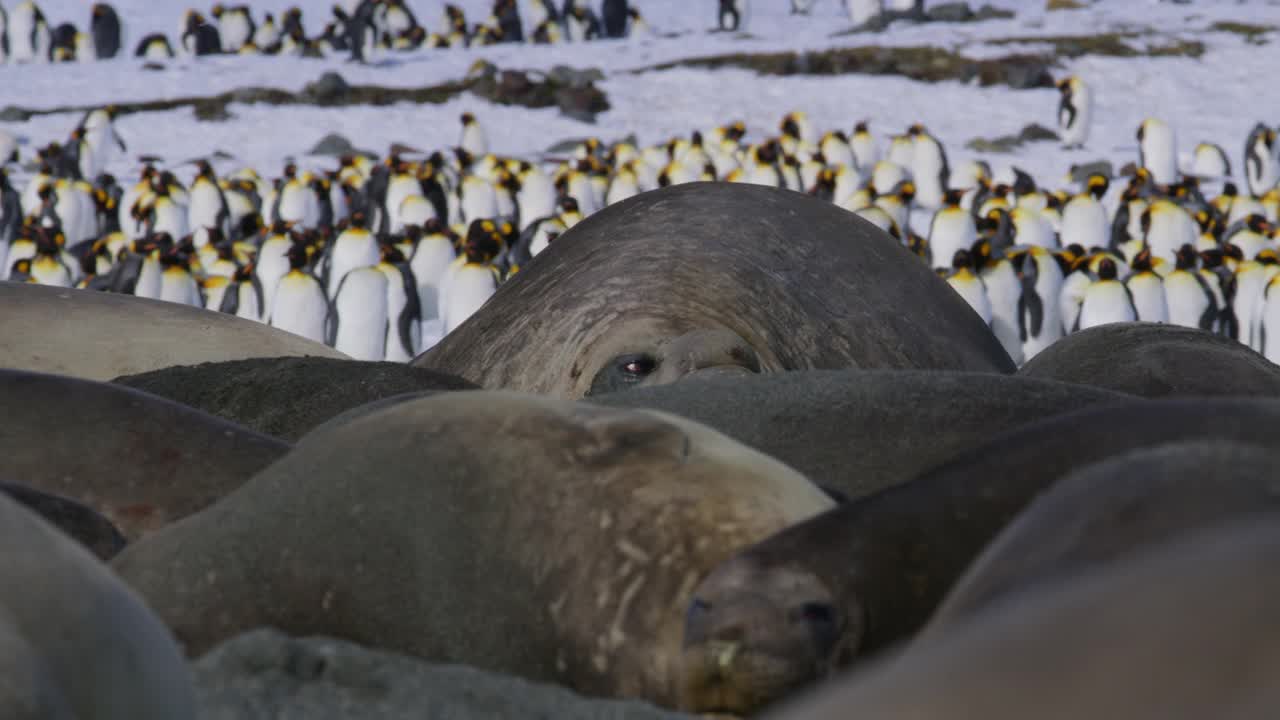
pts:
pixel 881 565
pixel 714 278
pixel 553 540
pixel 1185 629
pixel 140 460
pixel 75 642
pixel 99 336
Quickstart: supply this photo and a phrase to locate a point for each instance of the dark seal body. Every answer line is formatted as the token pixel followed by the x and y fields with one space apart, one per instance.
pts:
pixel 714 277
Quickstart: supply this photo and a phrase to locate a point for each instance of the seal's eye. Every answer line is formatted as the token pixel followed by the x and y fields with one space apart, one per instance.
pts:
pixel 821 620
pixel 622 372
pixel 637 365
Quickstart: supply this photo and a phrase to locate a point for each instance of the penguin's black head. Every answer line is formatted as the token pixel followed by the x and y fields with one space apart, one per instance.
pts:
pixel 413 233
pixel 568 204
pixel 907 191
pixel 952 197
pixel 299 255
pixel 359 220
pixel 1142 261
pixel 268 19
pixel 961 260
pixel 1213 258
pixel 432 226
pixel 1064 85
pixel 790 128
pixel 390 253
pixel 1186 258
pixel 1106 269
pixel 915 130
pixel 1268 256
pixel 467 118
pixel 294 13
pixel 1098 185
pixel 1230 190
pixel 1257 223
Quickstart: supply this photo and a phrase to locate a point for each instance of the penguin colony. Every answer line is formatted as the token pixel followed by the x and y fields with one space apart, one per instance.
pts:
pixel 361 28
pixel 432 236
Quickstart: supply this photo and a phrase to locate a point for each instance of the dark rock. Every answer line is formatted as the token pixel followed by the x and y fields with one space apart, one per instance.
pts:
pixel 1157 360
pixel 286 397
pixel 266 675
pixel 14 114
pixel 329 89
pixel 574 78
pixel 1081 172
pixel 581 103
pixel 1036 132
pixel 987 12
pixel 153 66
pixel 211 111
pixel 332 144
pixel 950 12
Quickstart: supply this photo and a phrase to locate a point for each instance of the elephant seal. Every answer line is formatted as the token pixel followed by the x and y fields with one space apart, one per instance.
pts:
pixel 714 277
pixel 543 538
pixel 881 565
pixel 78 521
pixel 1157 360
pixel 140 460
pixel 99 335
pixel 75 642
pixel 287 396
pixel 1102 513
pixel 860 431
pixel 1184 630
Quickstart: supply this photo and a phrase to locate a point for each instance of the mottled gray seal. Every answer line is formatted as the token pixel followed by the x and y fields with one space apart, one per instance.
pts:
pixel 138 459
pixel 553 540
pixel 881 565
pixel 1105 512
pixel 714 277
pixel 1185 630
pixel 860 431
pixel 79 521
pixel 1157 360
pixel 287 396
pixel 99 336
pixel 75 642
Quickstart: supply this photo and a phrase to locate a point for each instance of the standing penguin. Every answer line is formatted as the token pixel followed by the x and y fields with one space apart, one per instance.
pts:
pixel 952 229
pixel 1039 314
pixel 1210 161
pixel 1157 151
pixel 300 306
pixel 104 27
pixel 200 38
pixel 1106 300
pixel 473 138
pixel 357 321
pixel 1084 219
pixel 929 167
pixel 1188 296
pixel 353 248
pixel 1075 111
pixel 472 279
pixel 732 16
pixel 404 314
pixel 235 26
pixel 1146 288
pixel 615 15
pixel 1261 163
pixel 30 39
pixel 4 57
pixel 969 285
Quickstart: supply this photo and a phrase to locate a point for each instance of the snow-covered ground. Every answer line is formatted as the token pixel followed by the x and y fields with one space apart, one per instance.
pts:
pixel 1217 97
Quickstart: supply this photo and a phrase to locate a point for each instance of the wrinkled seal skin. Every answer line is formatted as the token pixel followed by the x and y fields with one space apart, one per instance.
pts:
pixel 543 538
pixel 1185 629
pixel 140 460
pixel 99 335
pixel 80 522
pixel 1101 514
pixel 715 277
pixel 884 563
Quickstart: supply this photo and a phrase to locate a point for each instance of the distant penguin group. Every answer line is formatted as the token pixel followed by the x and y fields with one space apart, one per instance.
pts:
pixel 26 36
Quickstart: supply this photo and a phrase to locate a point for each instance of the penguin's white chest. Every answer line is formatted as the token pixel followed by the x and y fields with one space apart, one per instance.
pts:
pixel 468 288
pixel 360 314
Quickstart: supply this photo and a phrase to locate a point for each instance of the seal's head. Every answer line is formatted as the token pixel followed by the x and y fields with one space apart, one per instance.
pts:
pixel 754 633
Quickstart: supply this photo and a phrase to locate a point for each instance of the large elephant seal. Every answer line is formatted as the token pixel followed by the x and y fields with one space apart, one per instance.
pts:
pixel 140 460
pixel 99 336
pixel 1103 513
pixel 881 565
pixel 75 642
pixel 538 537
pixel 714 277
pixel 860 431
pixel 288 396
pixel 1185 630
pixel 1157 360
pixel 79 521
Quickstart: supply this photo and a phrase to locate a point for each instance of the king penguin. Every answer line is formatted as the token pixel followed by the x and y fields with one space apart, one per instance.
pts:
pixel 235 26
pixel 105 28
pixel 1210 161
pixel 1004 289
pixel 1157 151
pixel 300 305
pixel 1261 164
pixel 472 279
pixel 1188 296
pixel 353 248
pixel 1084 219
pixel 968 285
pixel 473 138
pixel 30 39
pixel 952 229
pixel 1106 300
pixel 929 168
pixel 1075 111
pixel 404 313
pixel 1146 287
pixel 1039 316
pixel 357 321
pixel 732 16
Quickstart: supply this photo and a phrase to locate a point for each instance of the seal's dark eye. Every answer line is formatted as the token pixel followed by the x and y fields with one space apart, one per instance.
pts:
pixel 820 618
pixel 817 612
pixel 637 365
